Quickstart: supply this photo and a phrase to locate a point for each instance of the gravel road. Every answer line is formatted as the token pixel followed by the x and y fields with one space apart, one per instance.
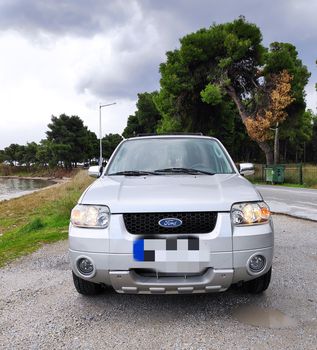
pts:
pixel 40 309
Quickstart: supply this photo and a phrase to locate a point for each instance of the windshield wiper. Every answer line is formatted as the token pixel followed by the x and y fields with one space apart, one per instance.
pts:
pixel 134 173
pixel 184 171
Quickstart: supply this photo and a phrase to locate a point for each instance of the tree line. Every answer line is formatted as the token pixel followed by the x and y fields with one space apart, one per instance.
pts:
pixel 223 82
pixel 68 143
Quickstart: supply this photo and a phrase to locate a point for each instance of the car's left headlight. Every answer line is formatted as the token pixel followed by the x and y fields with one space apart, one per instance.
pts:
pixel 250 213
pixel 93 216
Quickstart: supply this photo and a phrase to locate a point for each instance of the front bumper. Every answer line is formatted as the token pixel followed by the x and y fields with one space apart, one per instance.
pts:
pixel 226 251
pixel 209 280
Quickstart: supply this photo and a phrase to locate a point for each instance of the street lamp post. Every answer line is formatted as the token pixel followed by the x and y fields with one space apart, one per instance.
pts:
pixel 100 131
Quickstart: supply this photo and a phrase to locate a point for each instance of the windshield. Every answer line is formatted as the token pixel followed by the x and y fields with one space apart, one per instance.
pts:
pixel 170 155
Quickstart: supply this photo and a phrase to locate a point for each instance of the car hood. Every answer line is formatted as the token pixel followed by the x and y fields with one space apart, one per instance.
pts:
pixel 170 193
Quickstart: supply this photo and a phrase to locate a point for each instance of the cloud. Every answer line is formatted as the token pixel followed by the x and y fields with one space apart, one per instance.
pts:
pixel 89 17
pixel 124 63
pixel 67 17
pixel 67 56
pixel 37 82
pixel 130 38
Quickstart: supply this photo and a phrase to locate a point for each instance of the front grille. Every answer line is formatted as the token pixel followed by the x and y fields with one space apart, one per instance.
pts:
pixel 147 223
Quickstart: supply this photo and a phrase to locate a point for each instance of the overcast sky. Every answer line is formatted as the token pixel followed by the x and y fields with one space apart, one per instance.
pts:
pixel 68 56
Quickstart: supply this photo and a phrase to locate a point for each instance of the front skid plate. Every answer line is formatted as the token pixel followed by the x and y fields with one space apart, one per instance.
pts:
pixel 213 280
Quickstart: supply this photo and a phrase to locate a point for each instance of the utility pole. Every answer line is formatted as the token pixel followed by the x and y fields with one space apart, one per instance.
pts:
pixel 276 145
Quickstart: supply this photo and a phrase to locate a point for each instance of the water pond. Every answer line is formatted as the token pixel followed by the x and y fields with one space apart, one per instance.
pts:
pixel 14 187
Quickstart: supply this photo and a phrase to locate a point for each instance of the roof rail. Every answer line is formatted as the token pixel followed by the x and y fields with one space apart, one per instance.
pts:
pixel 170 133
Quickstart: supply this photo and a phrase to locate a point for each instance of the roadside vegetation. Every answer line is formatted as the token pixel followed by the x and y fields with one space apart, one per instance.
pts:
pixel 68 144
pixel 41 217
pixel 36 171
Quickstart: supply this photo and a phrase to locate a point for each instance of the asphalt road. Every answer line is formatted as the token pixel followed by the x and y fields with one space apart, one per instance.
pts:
pixel 298 202
pixel 40 309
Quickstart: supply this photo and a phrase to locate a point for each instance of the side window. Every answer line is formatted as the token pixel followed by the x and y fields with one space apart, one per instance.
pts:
pixel 223 165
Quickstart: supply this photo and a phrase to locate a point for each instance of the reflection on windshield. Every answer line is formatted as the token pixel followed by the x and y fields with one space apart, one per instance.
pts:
pixel 151 154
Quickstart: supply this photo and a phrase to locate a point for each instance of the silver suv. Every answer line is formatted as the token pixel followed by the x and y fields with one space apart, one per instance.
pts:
pixel 168 215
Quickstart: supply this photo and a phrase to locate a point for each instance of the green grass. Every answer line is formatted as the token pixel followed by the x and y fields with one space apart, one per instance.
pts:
pixel 283 185
pixel 36 171
pixel 293 185
pixel 26 223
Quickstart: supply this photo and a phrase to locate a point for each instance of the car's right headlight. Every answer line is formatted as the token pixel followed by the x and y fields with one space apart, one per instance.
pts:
pixel 250 213
pixel 92 216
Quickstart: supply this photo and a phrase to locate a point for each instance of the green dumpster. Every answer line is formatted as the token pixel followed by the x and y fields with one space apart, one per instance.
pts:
pixel 275 174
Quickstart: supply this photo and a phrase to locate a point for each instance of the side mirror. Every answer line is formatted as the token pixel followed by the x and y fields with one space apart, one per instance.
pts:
pixel 94 171
pixel 246 169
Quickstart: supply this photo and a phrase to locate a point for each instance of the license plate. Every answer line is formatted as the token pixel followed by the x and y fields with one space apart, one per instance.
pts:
pixel 166 249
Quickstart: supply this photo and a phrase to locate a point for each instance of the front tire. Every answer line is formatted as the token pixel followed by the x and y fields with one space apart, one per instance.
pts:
pixel 85 287
pixel 259 284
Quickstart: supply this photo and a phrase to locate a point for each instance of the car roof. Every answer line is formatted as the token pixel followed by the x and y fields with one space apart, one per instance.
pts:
pixel 180 136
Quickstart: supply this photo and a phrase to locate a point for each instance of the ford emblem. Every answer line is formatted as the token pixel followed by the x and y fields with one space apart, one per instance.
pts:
pixel 170 222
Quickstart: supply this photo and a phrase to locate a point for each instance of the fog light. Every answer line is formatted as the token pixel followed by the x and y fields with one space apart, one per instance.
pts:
pixel 257 263
pixel 85 266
